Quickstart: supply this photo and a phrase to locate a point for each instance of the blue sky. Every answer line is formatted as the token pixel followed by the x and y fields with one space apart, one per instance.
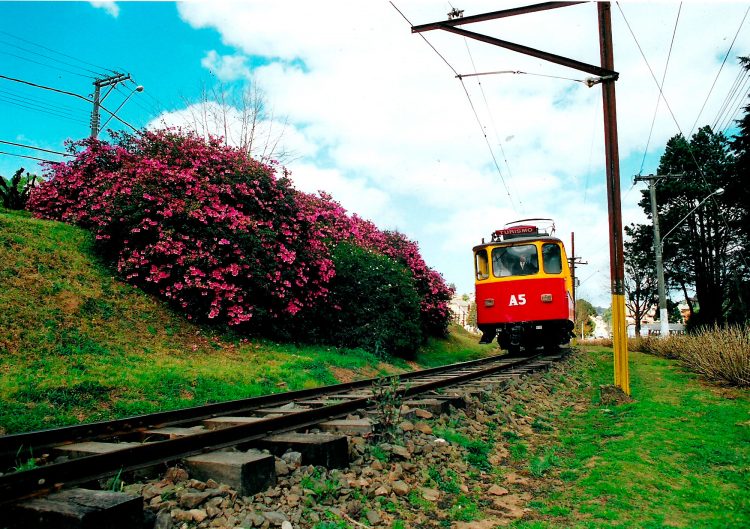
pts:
pixel 371 114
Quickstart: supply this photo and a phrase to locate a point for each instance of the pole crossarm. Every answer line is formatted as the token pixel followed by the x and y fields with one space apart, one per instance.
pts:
pixel 539 54
pixel 450 26
pixel 492 16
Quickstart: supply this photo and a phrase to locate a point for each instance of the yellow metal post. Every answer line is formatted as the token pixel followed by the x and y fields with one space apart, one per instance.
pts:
pixel 620 343
pixel 617 266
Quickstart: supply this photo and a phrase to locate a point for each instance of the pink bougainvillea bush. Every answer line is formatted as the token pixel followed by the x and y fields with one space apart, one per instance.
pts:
pixel 219 235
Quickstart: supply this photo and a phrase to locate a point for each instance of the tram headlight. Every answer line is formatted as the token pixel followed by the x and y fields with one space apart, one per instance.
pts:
pixel 546 298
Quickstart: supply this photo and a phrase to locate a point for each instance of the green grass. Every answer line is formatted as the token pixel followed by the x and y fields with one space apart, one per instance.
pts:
pixel 78 345
pixel 677 456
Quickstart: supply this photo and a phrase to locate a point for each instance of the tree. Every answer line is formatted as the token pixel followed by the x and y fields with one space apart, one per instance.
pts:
pixel 584 311
pixel 700 245
pixel 738 194
pixel 640 274
pixel 241 118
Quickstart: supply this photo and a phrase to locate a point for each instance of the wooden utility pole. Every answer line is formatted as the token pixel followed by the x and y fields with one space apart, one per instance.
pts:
pixel 607 77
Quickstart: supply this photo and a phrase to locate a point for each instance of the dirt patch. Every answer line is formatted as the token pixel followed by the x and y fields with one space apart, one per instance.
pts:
pixel 343 375
pixel 613 395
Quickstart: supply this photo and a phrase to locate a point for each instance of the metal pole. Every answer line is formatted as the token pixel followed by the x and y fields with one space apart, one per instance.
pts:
pixel 663 318
pixel 573 265
pixel 95 112
pixel 616 256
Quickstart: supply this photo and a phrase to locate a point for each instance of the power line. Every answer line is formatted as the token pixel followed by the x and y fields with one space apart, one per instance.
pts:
pixel 701 173
pixel 57 52
pixel 70 94
pixel 47 65
pixel 658 97
pixel 48 57
pixel 719 72
pixel 729 98
pixel 35 148
pixel 29 157
pixel 39 109
pixel 26 99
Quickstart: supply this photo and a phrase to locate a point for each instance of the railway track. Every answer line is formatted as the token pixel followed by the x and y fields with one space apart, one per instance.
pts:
pixel 100 450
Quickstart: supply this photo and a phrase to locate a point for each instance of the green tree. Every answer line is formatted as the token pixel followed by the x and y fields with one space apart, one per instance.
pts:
pixel 701 252
pixel 738 195
pixel 584 325
pixel 640 274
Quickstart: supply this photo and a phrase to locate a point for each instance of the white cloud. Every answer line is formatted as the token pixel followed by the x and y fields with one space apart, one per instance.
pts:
pixel 109 6
pixel 384 122
pixel 226 67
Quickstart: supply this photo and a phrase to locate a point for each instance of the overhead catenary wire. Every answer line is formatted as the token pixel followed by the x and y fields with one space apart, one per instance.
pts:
pixel 492 120
pixel 471 104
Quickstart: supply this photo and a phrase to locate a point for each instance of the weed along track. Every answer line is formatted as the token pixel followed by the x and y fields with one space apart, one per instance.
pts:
pixel 232 443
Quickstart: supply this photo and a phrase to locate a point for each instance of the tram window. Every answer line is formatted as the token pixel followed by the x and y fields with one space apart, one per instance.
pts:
pixel 482 265
pixel 551 258
pixel 515 260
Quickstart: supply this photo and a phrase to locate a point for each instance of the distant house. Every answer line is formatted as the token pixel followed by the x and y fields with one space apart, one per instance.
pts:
pixel 459 306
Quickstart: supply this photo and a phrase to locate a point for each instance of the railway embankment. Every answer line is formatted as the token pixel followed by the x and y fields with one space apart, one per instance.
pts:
pixel 542 451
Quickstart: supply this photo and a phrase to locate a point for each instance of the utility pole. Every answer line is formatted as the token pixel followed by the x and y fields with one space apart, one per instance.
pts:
pixel 110 81
pixel 607 77
pixel 573 261
pixel 663 317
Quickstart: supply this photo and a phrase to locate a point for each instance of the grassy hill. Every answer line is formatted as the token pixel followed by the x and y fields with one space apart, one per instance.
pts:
pixel 77 344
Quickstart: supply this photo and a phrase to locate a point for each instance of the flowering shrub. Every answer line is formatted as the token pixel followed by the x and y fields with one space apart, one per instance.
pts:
pixel 198 223
pixel 219 235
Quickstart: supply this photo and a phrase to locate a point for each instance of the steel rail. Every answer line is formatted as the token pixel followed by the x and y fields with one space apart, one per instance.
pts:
pixel 42 439
pixel 54 476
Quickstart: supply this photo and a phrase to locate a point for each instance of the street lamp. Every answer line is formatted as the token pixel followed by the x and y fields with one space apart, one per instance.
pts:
pixel 138 88
pixel 658 247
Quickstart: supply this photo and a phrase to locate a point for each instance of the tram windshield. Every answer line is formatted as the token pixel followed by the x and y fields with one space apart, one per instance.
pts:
pixel 519 260
pixel 551 258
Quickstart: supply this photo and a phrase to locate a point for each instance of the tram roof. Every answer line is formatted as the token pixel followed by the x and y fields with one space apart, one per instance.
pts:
pixel 515 241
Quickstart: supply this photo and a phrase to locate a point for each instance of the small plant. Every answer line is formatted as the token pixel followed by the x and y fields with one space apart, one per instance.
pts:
pixel 387 399
pixel 22 466
pixel 115 484
pixel 321 487
pixel 541 464
pixel 447 482
pixel 539 425
pixel 398 524
pixel 416 500
pixel 465 509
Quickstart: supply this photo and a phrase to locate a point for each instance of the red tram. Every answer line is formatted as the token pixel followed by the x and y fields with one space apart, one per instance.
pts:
pixel 524 287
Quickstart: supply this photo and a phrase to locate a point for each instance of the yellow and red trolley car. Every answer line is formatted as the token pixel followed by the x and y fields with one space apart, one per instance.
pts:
pixel 524 287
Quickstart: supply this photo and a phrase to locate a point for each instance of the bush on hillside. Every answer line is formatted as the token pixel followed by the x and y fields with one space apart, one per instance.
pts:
pixel 373 304
pixel 199 223
pixel 220 235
